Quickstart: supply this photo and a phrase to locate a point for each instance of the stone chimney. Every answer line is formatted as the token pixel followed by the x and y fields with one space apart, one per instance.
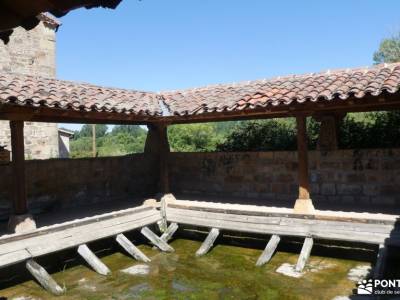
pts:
pixel 33 53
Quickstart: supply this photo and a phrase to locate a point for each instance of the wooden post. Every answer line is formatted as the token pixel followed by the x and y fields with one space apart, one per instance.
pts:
pixel 269 250
pixel 379 269
pixel 303 203
pixel 18 165
pixel 328 138
pixel 43 277
pixel 94 140
pixel 164 153
pixel 131 248
pixel 93 260
pixel 156 241
pixel 304 254
pixel 157 144
pixel 208 242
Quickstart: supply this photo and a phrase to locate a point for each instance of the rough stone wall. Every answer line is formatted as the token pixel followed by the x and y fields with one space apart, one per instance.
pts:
pixel 32 52
pixel 60 183
pixel 340 177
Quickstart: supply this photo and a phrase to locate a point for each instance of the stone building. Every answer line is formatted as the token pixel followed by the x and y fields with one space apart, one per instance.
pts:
pixel 33 52
pixel 64 137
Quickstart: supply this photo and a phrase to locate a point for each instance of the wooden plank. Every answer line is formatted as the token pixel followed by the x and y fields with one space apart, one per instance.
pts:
pixel 287 221
pixel 93 260
pixel 131 248
pixel 7 238
pixel 14 257
pixel 152 237
pixel 256 210
pixel 379 269
pixel 315 230
pixel 304 254
pixel 43 277
pixel 73 240
pixel 84 234
pixel 167 235
pixel 208 242
pixel 269 250
pixel 225 216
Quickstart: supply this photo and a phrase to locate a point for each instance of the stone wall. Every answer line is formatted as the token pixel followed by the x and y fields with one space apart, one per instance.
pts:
pixel 340 177
pixel 34 53
pixel 61 183
pixel 359 178
pixel 30 52
pixel 40 139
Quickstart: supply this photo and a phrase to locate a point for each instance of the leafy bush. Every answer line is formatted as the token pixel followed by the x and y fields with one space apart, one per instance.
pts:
pixel 193 137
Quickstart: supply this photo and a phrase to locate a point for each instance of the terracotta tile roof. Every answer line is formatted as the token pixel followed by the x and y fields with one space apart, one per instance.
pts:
pixel 338 84
pixel 282 91
pixel 36 91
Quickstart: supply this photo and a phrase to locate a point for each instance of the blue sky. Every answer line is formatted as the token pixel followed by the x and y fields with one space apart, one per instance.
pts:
pixel 173 44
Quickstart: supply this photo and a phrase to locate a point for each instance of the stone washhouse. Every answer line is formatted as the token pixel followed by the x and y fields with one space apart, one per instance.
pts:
pixel 279 186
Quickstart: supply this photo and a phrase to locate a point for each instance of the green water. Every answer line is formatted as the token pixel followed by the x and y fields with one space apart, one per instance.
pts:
pixel 227 272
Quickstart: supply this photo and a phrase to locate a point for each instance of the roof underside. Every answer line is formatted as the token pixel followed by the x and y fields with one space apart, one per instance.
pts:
pixel 55 100
pixel 14 13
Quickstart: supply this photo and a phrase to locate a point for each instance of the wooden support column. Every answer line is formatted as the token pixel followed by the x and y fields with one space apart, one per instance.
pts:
pixel 18 165
pixel 157 144
pixel 20 221
pixel 328 138
pixel 303 203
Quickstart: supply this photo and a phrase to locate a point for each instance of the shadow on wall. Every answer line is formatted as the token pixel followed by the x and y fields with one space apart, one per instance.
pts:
pixel 65 183
pixel 386 268
pixel 352 180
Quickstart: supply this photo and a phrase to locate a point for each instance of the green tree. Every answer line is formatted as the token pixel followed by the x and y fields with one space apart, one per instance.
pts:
pixel 86 131
pixel 134 130
pixel 193 137
pixel 389 50
pixel 267 135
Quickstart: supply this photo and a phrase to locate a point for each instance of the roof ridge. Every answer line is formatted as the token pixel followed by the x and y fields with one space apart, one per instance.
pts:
pixel 283 77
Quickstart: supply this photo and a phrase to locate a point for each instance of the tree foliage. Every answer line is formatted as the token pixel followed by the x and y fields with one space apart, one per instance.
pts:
pixel 389 50
pixel 267 135
pixel 86 131
pixel 193 137
pixel 121 140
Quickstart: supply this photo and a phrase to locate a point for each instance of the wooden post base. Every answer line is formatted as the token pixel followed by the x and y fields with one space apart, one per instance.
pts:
pixel 304 206
pixel 21 223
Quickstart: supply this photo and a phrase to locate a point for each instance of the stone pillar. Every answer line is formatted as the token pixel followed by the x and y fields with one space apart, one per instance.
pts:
pixel 328 138
pixel 303 203
pixel 157 144
pixel 20 221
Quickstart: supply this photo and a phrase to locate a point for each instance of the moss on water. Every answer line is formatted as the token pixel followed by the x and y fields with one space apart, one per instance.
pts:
pixel 227 272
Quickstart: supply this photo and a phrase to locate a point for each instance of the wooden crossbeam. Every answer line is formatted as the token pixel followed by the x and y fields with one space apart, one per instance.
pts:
pixel 304 254
pixel 379 269
pixel 167 235
pixel 269 250
pixel 131 248
pixel 155 240
pixel 43 277
pixel 208 242
pixel 93 260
